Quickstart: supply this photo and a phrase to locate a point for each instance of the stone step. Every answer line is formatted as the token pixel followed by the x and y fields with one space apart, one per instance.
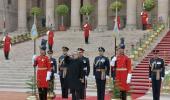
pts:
pixel 139 87
pixel 140 80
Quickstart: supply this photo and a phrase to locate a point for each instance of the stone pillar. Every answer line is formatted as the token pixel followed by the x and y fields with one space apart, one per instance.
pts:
pixel 50 13
pixel 75 15
pixel 163 10
pixel 86 1
pixel 131 14
pixel 22 16
pixel 102 15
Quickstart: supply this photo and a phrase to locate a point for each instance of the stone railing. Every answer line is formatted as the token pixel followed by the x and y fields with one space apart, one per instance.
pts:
pixel 143 44
pixel 24 37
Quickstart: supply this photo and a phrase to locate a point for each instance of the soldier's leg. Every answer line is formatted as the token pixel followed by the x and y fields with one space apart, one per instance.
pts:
pixel 123 93
pixel 98 89
pixel 158 87
pixel 103 82
pixel 45 93
pixel 40 91
pixel 154 89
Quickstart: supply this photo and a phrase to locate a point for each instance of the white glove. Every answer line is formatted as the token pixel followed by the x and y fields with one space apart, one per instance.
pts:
pixel 86 77
pixel 33 58
pixel 93 77
pixel 162 78
pixel 107 77
pixel 48 75
pixel 56 75
pixel 112 63
pixel 129 78
pixel 150 79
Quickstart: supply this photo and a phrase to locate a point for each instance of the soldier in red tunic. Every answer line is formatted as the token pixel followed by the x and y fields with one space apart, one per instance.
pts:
pixel 43 73
pixel 86 29
pixel 123 70
pixel 50 35
pixel 144 17
pixel 7 46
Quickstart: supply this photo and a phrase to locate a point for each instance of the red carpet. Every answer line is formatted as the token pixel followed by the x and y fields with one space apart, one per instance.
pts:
pixel 140 83
pixel 107 97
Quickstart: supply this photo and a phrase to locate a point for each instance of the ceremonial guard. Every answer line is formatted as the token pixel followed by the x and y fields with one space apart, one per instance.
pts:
pixel 54 74
pixel 101 68
pixel 7 46
pixel 86 29
pixel 50 35
pixel 43 73
pixel 86 71
pixel 123 70
pixel 62 67
pixel 75 75
pixel 156 74
pixel 144 17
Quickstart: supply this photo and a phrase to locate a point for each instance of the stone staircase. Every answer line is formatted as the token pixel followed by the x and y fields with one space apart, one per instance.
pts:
pixel 140 82
pixel 15 72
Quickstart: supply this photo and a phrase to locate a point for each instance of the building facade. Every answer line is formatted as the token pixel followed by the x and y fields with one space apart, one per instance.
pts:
pixel 16 14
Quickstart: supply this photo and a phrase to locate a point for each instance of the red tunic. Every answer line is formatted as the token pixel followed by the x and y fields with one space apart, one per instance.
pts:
pixel 43 65
pixel 7 43
pixel 144 17
pixel 123 67
pixel 118 22
pixel 50 37
pixel 86 29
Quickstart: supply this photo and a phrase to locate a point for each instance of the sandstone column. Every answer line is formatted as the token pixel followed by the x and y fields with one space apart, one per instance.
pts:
pixel 102 15
pixel 163 10
pixel 75 15
pixel 131 14
pixel 50 13
pixel 22 16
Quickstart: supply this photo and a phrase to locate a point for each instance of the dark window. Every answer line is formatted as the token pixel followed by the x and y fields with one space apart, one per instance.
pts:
pixel 9 2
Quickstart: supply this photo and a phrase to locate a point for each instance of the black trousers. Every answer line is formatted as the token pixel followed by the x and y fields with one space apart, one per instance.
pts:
pixel 6 54
pixel 75 94
pixel 51 86
pixel 83 90
pixel 144 26
pixel 50 47
pixel 123 95
pixel 42 93
pixel 87 40
pixel 156 86
pixel 64 87
pixel 100 89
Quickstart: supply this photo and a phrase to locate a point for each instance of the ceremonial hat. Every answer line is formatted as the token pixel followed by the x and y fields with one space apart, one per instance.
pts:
pixel 122 43
pixel 50 52
pixel 43 48
pixel 155 51
pixel 80 50
pixel 101 49
pixel 65 48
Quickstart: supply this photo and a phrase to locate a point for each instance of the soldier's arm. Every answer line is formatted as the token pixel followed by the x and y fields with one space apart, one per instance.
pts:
pixel 35 62
pixel 88 67
pixel 108 66
pixel 129 65
pixel 94 68
pixel 163 68
pixel 81 69
pixel 150 69
pixel 59 64
pixel 55 66
pixel 48 64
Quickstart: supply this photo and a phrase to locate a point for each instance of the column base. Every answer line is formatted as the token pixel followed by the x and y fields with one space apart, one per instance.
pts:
pixel 22 29
pixel 101 28
pixel 130 27
pixel 75 28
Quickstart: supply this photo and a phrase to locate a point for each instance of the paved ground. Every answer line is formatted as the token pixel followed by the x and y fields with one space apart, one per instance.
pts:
pixel 15 72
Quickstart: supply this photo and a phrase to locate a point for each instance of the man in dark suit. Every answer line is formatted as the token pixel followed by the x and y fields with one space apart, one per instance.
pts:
pixel 156 74
pixel 75 75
